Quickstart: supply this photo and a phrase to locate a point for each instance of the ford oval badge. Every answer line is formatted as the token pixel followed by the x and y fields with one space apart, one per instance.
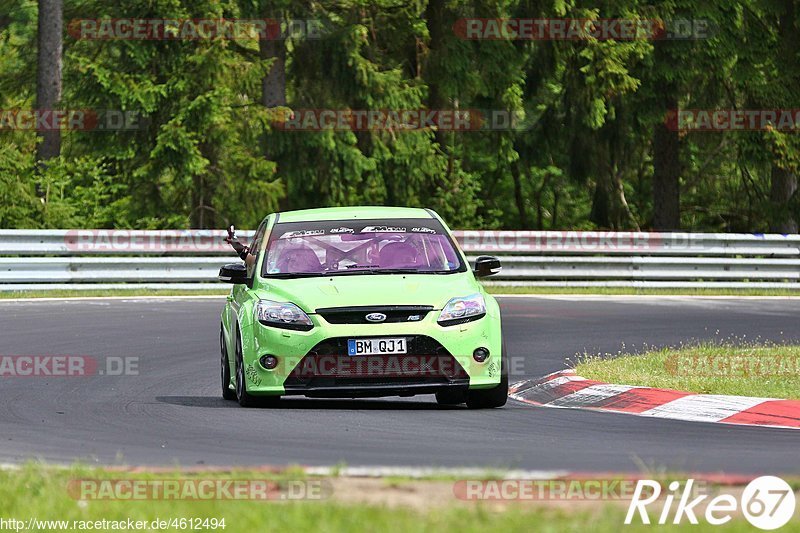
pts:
pixel 375 317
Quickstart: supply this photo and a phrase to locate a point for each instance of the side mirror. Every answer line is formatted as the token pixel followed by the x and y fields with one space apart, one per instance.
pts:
pixel 486 266
pixel 235 273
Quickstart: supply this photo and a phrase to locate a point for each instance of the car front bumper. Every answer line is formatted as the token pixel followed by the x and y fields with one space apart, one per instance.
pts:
pixel 333 373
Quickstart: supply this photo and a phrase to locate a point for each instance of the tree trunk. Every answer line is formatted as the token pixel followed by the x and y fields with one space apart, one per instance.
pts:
pixel 204 189
pixel 435 16
pixel 666 174
pixel 519 196
pixel 273 85
pixel 783 186
pixel 48 72
pixel 784 182
pixel 666 149
pixel 554 218
pixel 600 214
pixel 197 218
pixel 623 213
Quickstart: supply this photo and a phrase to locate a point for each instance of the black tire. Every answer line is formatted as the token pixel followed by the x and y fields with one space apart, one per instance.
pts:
pixel 494 397
pixel 450 397
pixel 225 370
pixel 246 399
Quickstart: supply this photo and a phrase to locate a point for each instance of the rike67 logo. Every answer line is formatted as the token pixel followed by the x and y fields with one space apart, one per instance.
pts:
pixel 767 502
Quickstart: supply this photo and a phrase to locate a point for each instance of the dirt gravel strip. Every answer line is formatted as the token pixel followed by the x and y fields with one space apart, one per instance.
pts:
pixel 565 389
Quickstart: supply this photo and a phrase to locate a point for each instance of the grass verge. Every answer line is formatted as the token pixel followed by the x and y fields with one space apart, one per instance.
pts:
pixel 623 291
pixel 41 493
pixel 763 370
pixel 90 293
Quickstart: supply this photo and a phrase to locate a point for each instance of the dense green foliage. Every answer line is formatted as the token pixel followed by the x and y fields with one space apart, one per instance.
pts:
pixel 207 154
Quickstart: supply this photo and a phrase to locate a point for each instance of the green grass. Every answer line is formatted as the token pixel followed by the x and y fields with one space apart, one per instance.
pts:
pixel 611 291
pixel 87 293
pixel 765 370
pixel 493 289
pixel 40 492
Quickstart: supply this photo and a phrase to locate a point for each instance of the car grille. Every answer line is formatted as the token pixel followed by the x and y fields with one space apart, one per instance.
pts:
pixel 327 365
pixel 358 315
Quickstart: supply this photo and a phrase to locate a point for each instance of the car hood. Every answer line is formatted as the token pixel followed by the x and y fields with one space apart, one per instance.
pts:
pixel 370 290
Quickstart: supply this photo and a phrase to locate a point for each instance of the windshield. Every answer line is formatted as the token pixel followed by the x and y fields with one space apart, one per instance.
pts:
pixel 342 247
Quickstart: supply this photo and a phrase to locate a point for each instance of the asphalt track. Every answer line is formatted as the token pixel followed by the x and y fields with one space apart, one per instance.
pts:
pixel 171 413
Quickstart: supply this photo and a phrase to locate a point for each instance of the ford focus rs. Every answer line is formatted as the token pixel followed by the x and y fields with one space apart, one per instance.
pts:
pixel 360 302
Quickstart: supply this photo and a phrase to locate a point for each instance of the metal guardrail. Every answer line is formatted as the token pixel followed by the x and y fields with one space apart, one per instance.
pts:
pixel 210 242
pixel 116 242
pixel 190 259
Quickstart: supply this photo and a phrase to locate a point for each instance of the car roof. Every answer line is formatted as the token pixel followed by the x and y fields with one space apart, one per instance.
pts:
pixel 355 212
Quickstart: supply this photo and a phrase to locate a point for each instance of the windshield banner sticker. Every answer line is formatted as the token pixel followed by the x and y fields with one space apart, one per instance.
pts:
pixel 383 229
pixel 302 233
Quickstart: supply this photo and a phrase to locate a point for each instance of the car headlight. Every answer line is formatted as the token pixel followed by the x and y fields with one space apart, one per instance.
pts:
pixel 284 315
pixel 464 309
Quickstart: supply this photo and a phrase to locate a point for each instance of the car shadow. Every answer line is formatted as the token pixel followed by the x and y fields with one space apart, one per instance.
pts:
pixel 314 403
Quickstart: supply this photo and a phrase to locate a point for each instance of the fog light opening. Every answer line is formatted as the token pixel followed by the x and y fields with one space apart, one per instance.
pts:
pixel 480 354
pixel 269 361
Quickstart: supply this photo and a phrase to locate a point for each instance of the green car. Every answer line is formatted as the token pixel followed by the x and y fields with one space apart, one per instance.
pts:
pixel 360 302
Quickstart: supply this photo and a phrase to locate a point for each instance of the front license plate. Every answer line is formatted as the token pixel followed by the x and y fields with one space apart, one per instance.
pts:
pixel 379 346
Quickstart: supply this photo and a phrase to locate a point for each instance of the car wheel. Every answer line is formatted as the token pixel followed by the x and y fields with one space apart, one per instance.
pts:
pixel 494 397
pixel 450 397
pixel 225 370
pixel 245 399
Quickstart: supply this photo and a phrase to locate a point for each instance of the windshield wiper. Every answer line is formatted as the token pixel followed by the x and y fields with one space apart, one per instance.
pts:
pixel 399 271
pixel 290 275
pixel 371 269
